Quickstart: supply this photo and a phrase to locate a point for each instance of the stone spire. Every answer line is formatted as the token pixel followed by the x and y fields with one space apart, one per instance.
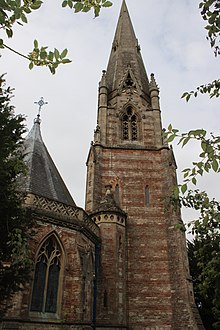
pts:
pixel 125 55
pixel 42 177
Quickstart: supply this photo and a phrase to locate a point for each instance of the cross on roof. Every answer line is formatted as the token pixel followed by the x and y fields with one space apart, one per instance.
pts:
pixel 40 103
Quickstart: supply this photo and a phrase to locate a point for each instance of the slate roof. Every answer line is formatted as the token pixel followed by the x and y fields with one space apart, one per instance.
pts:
pixel 43 177
pixel 125 54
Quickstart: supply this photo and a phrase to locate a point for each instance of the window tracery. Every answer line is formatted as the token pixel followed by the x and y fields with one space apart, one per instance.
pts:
pixel 129 125
pixel 46 277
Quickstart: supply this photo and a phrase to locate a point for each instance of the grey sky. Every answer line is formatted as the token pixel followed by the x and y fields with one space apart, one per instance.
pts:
pixel 173 44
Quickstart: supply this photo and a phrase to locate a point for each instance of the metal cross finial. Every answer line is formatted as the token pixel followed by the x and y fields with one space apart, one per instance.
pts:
pixel 41 103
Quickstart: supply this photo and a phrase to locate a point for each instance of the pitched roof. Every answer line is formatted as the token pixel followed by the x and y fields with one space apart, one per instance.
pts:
pixel 125 54
pixel 42 177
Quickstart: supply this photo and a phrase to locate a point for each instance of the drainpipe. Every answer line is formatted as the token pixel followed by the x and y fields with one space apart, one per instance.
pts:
pixel 97 252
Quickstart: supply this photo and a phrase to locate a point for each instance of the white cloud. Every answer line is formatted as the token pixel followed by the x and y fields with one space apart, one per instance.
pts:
pixel 173 46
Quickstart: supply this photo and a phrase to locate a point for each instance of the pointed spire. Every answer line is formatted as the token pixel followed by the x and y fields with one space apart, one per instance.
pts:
pixel 42 177
pixel 125 53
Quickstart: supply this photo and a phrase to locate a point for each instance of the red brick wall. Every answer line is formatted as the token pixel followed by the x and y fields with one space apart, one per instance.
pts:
pixel 157 285
pixel 75 303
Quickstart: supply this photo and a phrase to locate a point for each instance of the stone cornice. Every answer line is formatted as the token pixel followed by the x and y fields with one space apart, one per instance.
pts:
pixel 132 147
pixel 73 217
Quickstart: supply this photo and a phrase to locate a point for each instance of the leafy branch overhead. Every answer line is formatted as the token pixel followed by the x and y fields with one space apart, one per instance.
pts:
pixel 210 11
pixel 209 157
pixel 17 11
pixel 87 5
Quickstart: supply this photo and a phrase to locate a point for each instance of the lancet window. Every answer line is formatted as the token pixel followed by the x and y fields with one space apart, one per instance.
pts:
pixel 129 125
pixel 117 197
pixel 147 196
pixel 46 277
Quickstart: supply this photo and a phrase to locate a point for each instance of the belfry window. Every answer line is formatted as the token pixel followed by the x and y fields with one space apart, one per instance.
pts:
pixel 129 125
pixel 46 277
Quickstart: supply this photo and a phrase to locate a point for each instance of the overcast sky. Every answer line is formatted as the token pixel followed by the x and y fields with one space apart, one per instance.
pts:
pixel 173 44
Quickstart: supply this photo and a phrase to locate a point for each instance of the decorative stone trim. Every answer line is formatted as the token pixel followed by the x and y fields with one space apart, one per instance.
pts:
pixel 109 218
pixel 53 206
pixel 59 213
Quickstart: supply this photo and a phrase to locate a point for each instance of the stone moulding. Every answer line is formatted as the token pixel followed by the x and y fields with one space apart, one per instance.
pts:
pixel 62 214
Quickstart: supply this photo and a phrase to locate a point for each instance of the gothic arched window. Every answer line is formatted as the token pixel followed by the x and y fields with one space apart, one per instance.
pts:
pixel 147 196
pixel 125 128
pixel 129 125
pixel 46 277
pixel 117 196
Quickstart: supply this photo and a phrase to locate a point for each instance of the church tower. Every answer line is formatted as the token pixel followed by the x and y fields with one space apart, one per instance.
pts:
pixel 144 280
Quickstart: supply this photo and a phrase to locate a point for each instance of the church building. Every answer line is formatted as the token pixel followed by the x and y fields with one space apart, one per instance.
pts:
pixel 122 262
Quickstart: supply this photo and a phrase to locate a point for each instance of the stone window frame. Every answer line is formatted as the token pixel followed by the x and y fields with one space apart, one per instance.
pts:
pixel 42 314
pixel 130 121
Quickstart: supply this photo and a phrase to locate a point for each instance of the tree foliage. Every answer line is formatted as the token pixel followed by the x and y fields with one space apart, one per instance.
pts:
pixel 204 260
pixel 209 157
pixel 204 251
pixel 17 11
pixel 15 224
pixel 209 143
pixel 210 11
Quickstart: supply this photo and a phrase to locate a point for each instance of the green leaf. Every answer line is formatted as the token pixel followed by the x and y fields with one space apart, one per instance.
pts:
pixel 43 55
pixel 78 7
pixel 64 4
pixel 56 54
pixel 97 11
pixel 184 188
pixel 188 97
pixel 9 33
pixel 215 165
pixel 1 43
pixel 35 44
pixel 194 181
pixel 185 141
pixel 24 18
pixel 64 53
pixel 107 4
pixel 70 3
pixel 184 95
pixel 66 60
pixel 87 8
pixel 36 5
pixel 207 167
pixel 27 10
pixel 185 174
pixel 50 56
pixel 171 138
pixel 31 65
pixel 170 127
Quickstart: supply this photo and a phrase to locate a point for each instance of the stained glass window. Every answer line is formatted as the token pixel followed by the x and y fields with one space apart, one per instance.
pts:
pixel 46 277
